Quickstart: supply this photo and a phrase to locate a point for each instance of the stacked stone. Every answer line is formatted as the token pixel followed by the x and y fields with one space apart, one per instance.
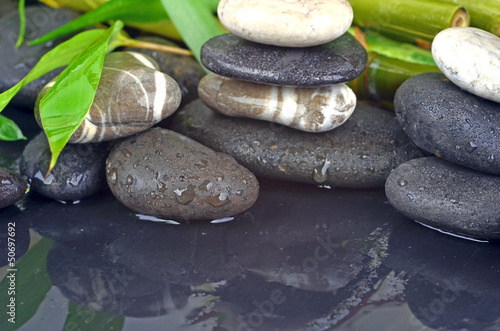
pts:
pixel 455 116
pixel 285 61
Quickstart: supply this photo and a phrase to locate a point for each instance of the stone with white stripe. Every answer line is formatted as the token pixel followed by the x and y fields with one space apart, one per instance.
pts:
pixel 132 96
pixel 307 109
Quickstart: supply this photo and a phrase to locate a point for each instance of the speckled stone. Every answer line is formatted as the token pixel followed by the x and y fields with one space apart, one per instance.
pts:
pixel 470 58
pixel 12 187
pixel 183 69
pixel 449 122
pixel 359 154
pixel 132 96
pixel 307 109
pixel 78 173
pixel 162 173
pixel 338 61
pixel 296 23
pixel 17 63
pixel 447 196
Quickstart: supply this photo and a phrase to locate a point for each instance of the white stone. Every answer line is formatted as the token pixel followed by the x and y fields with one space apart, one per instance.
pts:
pixel 290 23
pixel 470 58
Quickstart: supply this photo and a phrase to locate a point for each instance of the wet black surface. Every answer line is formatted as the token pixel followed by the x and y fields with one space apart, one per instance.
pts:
pixel 302 258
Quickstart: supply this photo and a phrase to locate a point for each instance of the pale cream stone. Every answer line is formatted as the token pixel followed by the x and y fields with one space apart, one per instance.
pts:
pixel 290 23
pixel 470 58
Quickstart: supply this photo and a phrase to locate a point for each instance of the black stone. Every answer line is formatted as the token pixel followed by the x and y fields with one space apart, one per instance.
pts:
pixel 183 69
pixel 361 153
pixel 447 196
pixel 338 61
pixel 17 63
pixel 12 187
pixel 79 171
pixel 449 122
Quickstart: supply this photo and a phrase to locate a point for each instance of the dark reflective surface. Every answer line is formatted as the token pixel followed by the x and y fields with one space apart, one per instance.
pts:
pixel 302 258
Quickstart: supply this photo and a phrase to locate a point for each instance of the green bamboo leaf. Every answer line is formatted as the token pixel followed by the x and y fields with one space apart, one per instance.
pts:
pixel 129 11
pixel 22 24
pixel 195 22
pixel 9 131
pixel 76 86
pixel 84 319
pixel 32 285
pixel 59 56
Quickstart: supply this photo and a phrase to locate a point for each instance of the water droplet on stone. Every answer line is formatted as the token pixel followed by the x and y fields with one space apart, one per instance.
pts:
pixel 127 153
pixel 146 157
pixel 179 155
pixel 402 182
pixel 75 180
pixel 239 193
pixel 130 180
pixel 201 164
pixel 158 152
pixel 152 195
pixel 182 178
pixel 471 147
pixel 320 173
pixel 219 177
pixel 113 176
pixel 491 158
pixel 6 181
pixel 185 196
pixel 47 181
pixel 410 196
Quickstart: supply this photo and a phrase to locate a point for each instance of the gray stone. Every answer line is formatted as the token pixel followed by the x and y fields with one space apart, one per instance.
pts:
pixel 449 122
pixel 183 69
pixel 447 197
pixel 16 63
pixel 12 187
pixel 78 173
pixel 132 96
pixel 338 61
pixel 164 174
pixel 359 154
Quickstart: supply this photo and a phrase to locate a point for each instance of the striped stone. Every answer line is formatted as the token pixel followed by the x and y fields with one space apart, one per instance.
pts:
pixel 307 109
pixel 131 97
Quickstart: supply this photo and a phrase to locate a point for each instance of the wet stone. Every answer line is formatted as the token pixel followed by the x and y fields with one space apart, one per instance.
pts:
pixel 470 58
pixel 306 109
pixel 17 63
pixel 78 173
pixel 449 122
pixel 338 61
pixel 164 174
pixel 183 69
pixel 12 187
pixel 359 154
pixel 286 23
pixel 132 96
pixel 447 197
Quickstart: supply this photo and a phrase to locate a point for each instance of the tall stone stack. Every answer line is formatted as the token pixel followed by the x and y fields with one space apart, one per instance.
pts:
pixel 284 61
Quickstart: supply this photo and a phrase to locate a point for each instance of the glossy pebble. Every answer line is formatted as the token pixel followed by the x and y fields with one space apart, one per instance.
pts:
pixel 132 96
pixel 289 23
pixel 470 58
pixel 306 109
pixel 338 61
pixel 447 197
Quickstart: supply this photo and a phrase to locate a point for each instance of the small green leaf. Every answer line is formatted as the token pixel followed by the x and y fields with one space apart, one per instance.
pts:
pixel 32 285
pixel 66 104
pixel 85 319
pixel 22 24
pixel 195 22
pixel 59 56
pixel 129 11
pixel 9 131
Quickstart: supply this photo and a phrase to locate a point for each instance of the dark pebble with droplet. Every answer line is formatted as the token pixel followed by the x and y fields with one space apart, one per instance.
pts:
pixel 183 69
pixel 338 61
pixel 16 63
pixel 449 122
pixel 78 173
pixel 359 154
pixel 446 196
pixel 12 187
pixel 167 175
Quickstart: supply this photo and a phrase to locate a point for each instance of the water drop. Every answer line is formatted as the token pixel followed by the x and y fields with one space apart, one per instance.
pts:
pixel 201 164
pixel 185 196
pixel 135 165
pixel 158 152
pixel 182 178
pixel 160 186
pixel 152 195
pixel 239 193
pixel 113 176
pixel 130 180
pixel 402 182
pixel 219 177
pixel 410 196
pixel 127 153
pixel 471 147
pixel 47 181
pixel 491 158
pixel 75 180
pixel 320 173
pixel 6 181
pixel 146 157
pixel 179 155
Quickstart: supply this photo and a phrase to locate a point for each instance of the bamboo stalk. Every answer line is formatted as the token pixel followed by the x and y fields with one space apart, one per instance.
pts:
pixel 483 15
pixel 384 75
pixel 411 21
